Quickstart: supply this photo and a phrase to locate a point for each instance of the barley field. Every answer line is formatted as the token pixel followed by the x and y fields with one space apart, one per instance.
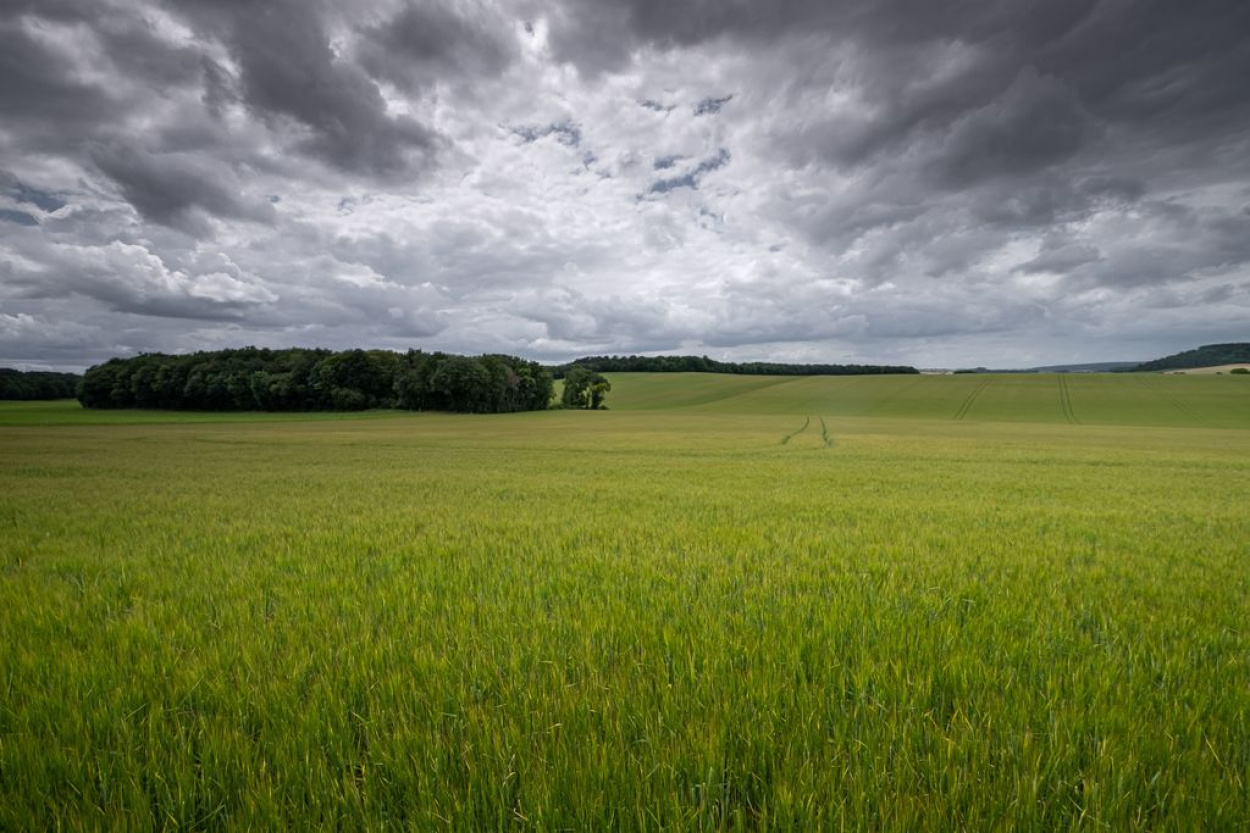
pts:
pixel 729 603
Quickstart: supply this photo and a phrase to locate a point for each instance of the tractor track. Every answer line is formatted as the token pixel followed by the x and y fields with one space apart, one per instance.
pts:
pixel 824 434
pixel 1065 399
pixel 1178 404
pixel 972 397
pixel 786 439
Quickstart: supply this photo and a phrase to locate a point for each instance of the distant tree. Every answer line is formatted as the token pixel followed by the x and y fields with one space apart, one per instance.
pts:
pixel 702 364
pixel 584 389
pixel 460 383
pixel 355 380
pixel 599 388
pixel 37 384
pixel 1240 371
pixel 575 383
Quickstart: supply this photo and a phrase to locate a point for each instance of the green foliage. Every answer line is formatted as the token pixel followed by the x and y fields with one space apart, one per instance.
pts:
pixel 1208 355
pixel 37 384
pixel 584 389
pixel 318 380
pixel 1240 371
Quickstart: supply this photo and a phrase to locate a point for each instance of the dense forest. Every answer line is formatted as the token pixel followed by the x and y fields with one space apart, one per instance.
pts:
pixel 1208 355
pixel 253 379
pixel 37 384
pixel 702 364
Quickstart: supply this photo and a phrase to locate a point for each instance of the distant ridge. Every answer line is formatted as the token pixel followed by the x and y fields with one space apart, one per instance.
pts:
pixel 1208 355
pixel 702 364
pixel 1088 367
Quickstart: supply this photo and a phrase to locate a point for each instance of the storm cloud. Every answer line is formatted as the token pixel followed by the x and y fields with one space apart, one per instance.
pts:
pixel 994 181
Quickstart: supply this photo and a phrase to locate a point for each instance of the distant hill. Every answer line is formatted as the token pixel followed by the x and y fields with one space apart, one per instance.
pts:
pixel 702 364
pixel 1089 367
pixel 1208 355
pixel 37 384
pixel 818 405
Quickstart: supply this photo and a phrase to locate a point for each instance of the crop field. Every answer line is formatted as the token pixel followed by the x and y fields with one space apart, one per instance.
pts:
pixel 865 603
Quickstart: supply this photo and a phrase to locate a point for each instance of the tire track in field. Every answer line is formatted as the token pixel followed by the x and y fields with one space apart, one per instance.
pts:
pixel 1065 399
pixel 824 434
pixel 1180 406
pixel 972 397
pixel 791 436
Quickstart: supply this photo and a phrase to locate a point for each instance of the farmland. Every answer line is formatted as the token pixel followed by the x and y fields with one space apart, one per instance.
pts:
pixel 893 603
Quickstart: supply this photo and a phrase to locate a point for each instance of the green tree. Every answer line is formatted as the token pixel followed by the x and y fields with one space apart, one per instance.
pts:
pixel 599 388
pixel 462 384
pixel 584 389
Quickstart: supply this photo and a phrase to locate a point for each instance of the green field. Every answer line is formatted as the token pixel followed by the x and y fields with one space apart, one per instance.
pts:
pixel 883 603
pixel 1095 399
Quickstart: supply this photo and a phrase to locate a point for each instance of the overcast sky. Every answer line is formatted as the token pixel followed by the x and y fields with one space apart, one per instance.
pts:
pixel 983 182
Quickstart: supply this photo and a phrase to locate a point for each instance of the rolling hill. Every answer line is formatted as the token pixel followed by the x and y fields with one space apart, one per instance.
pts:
pixel 1100 399
pixel 1208 355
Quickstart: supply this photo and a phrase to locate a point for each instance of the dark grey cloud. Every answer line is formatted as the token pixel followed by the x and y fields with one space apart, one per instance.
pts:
pixel 424 43
pixel 1145 63
pixel 1167 243
pixel 289 70
pixel 20 218
pixel 39 94
pixel 1060 256
pixel 1035 124
pixel 178 190
pixel 135 48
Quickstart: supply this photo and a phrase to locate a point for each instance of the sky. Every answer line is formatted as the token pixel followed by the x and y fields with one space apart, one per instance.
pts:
pixel 975 182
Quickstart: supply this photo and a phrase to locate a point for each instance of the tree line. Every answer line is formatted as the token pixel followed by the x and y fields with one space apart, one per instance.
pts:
pixel 298 379
pixel 37 384
pixel 702 364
